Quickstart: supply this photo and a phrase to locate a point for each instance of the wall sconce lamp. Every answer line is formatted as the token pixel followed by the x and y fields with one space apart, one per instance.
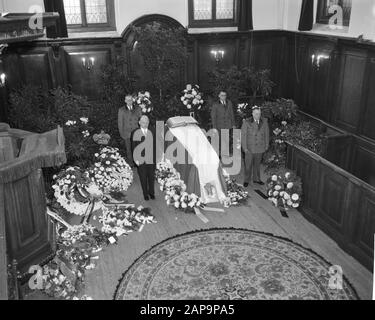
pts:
pixel 2 80
pixel 88 63
pixel 218 55
pixel 316 59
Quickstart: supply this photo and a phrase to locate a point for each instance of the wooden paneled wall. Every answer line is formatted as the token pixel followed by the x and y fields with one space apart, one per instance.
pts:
pixel 337 202
pixel 340 91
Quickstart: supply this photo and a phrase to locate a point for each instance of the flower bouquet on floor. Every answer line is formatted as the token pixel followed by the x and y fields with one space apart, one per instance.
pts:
pixel 236 194
pixel 110 172
pixel 77 250
pixel 73 190
pixel 119 221
pixel 175 188
pixel 143 100
pixel 284 190
pixel 192 98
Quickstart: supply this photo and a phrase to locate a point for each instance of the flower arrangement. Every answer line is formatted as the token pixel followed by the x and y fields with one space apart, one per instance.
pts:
pixel 110 172
pixel 120 220
pixel 77 249
pixel 102 138
pixel 192 98
pixel 175 188
pixel 56 284
pixel 79 143
pixel 143 100
pixel 243 110
pixel 236 194
pixel 73 190
pixel 284 190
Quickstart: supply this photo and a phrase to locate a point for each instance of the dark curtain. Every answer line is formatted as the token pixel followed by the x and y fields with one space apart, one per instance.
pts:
pixel 245 22
pixel 307 16
pixel 60 30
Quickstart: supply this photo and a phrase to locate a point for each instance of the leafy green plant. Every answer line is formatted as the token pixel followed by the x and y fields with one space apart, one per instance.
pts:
pixel 164 55
pixel 245 84
pixel 37 110
pixel 280 110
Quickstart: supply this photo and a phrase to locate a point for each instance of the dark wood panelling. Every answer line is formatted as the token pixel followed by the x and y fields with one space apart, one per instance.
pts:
pixel 206 61
pixel 351 87
pixel 86 82
pixel 340 204
pixel 369 110
pixel 363 163
pixel 25 205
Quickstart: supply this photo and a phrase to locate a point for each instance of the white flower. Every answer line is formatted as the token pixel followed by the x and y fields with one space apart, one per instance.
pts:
pixel 286 196
pixel 84 120
pixel 177 205
pixel 290 185
pixel 284 123
pixel 277 188
pixel 274 178
pixel 295 197
pixel 295 205
pixel 287 175
pixel 276 193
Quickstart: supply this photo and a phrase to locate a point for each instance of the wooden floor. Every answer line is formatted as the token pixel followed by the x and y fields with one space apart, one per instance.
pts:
pixel 258 215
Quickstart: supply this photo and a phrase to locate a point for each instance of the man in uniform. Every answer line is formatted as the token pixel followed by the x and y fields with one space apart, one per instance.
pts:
pixel 128 118
pixel 222 116
pixel 255 142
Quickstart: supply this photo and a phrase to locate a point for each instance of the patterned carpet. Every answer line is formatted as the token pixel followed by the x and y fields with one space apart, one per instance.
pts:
pixel 229 264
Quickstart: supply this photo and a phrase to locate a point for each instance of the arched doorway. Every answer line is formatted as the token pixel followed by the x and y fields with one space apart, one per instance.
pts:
pixel 135 64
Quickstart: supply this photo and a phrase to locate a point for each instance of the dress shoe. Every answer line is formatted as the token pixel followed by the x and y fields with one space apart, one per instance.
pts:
pixel 152 197
pixel 246 184
pixel 261 183
pixel 147 198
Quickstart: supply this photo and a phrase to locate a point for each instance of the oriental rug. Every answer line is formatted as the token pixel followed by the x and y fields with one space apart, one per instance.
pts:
pixel 231 264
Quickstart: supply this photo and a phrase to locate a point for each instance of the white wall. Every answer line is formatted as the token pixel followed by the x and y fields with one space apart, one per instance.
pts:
pixel 267 14
pixel 129 10
pixel 362 19
pixel 17 6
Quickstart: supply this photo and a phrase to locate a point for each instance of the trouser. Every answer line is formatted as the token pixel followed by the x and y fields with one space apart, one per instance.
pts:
pixel 225 142
pixel 252 166
pixel 129 151
pixel 146 174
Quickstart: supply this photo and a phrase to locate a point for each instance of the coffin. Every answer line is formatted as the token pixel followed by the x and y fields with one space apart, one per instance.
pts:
pixel 23 220
pixel 201 168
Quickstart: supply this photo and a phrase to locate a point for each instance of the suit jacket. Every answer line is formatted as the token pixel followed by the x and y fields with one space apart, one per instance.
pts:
pixel 222 116
pixel 128 121
pixel 150 143
pixel 255 138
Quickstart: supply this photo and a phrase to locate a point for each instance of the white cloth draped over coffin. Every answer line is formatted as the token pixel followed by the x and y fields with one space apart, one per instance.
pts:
pixel 201 170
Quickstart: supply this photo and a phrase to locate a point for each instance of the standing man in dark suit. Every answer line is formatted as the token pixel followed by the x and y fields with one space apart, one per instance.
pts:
pixel 222 116
pixel 255 142
pixel 128 118
pixel 144 147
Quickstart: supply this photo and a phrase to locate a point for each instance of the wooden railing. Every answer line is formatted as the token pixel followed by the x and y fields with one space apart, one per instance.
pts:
pixel 337 202
pixel 25 234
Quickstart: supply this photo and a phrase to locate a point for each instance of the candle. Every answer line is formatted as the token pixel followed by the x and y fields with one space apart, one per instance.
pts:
pixel 2 78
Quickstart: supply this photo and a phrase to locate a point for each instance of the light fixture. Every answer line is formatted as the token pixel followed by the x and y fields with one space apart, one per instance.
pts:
pixel 2 80
pixel 218 55
pixel 88 63
pixel 317 58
